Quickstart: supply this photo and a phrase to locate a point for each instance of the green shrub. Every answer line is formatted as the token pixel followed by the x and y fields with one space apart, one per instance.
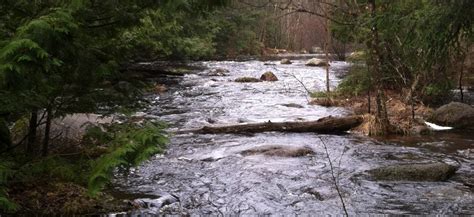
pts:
pixel 436 93
pixel 357 81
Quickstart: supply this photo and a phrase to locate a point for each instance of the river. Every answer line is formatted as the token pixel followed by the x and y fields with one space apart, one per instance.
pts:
pixel 209 174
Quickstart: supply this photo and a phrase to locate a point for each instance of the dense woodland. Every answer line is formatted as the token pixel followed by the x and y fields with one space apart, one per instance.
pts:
pixel 64 57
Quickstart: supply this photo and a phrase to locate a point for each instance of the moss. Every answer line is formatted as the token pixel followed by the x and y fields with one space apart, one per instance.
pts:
pixel 319 94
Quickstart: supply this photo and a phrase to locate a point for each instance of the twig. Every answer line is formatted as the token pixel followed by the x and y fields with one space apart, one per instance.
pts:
pixel 334 177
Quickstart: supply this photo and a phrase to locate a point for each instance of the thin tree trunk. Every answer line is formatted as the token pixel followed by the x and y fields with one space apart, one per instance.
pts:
pixel 374 45
pixel 32 126
pixel 47 129
pixel 411 92
pixel 368 102
pixel 326 49
pixel 460 82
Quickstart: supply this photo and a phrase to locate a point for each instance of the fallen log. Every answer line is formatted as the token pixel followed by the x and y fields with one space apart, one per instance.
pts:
pixel 332 125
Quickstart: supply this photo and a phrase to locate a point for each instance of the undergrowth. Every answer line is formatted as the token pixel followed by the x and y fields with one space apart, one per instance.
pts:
pixel 122 146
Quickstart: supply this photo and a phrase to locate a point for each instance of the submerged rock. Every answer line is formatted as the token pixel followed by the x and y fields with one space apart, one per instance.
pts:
pixel 429 172
pixel 285 61
pixel 292 105
pixel 268 76
pixel 247 80
pixel 218 72
pixel 316 62
pixel 154 203
pixel 454 114
pixel 313 192
pixel 278 150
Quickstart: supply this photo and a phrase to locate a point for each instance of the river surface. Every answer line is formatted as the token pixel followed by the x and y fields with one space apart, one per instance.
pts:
pixel 210 176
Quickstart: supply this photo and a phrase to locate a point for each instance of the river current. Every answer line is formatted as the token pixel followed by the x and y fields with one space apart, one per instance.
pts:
pixel 210 176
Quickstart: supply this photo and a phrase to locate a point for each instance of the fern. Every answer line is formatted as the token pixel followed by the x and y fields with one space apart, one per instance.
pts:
pixel 6 172
pixel 130 145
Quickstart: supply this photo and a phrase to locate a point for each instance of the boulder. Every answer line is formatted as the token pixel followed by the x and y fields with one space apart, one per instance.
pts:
pixel 279 151
pixel 428 172
pixel 285 61
pixel 454 114
pixel 218 72
pixel 268 76
pixel 165 199
pixel 247 80
pixel 315 50
pixel 316 62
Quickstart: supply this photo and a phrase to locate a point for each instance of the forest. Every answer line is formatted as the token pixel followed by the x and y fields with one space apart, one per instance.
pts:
pixel 236 107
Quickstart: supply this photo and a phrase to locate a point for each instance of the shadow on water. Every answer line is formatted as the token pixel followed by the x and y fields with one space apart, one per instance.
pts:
pixel 210 175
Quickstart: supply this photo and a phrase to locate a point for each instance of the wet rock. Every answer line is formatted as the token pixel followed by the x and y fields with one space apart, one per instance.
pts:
pixel 268 76
pixel 159 88
pixel 218 72
pixel 315 50
pixel 465 180
pixel 429 172
pixel 313 192
pixel 285 61
pixel 247 80
pixel 147 203
pixel 420 130
pixel 280 151
pixel 316 62
pixel 292 105
pixel 303 51
pixel 454 114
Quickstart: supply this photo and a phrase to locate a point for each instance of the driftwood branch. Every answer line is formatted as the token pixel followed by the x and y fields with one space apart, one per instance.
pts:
pixel 330 125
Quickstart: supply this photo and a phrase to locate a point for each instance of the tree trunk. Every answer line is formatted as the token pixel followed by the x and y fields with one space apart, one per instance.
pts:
pixel 374 45
pixel 460 82
pixel 326 50
pixel 330 125
pixel 32 126
pixel 5 136
pixel 47 129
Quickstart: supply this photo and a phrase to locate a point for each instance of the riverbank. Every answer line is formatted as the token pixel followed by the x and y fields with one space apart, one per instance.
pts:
pixel 59 198
pixel 405 119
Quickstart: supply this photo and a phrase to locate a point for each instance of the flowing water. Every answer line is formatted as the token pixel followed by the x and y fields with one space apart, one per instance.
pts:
pixel 210 176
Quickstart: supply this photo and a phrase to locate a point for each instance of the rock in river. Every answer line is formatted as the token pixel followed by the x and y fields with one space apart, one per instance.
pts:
pixel 279 150
pixel 292 105
pixel 454 114
pixel 268 76
pixel 218 72
pixel 428 172
pixel 285 61
pixel 247 80
pixel 316 62
pixel 154 203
